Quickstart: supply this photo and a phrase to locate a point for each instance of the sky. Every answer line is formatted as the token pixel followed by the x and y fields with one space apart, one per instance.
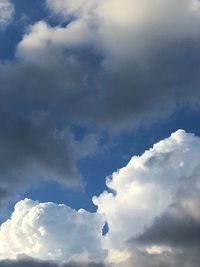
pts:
pixel 99 133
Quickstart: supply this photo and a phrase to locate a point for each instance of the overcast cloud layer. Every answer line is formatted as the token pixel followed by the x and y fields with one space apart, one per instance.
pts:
pixel 152 212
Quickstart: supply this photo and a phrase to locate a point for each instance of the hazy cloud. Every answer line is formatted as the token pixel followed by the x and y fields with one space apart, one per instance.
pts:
pixel 6 12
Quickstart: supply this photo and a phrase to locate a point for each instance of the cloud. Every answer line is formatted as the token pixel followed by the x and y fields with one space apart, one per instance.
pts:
pixel 151 208
pixel 154 200
pixel 176 227
pixel 35 263
pixel 177 258
pixel 34 147
pixel 36 124
pixel 25 263
pixel 84 73
pixel 124 78
pixel 115 65
pixel 48 231
pixel 6 13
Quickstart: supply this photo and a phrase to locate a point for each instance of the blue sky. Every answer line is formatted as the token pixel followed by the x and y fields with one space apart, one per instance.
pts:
pixel 85 86
pixel 96 168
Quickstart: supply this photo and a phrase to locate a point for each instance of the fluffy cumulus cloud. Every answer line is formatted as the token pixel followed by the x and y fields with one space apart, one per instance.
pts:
pixel 48 231
pixel 6 12
pixel 151 208
pixel 155 202
pixel 148 185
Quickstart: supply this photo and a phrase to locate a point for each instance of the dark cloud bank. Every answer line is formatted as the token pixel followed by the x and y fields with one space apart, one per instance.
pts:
pixel 35 263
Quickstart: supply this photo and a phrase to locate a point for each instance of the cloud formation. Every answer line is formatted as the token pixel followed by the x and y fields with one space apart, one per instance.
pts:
pixel 124 78
pixel 144 64
pixel 151 208
pixel 145 188
pixel 33 148
pixel 48 231
pixel 35 263
pixel 112 65
pixel 84 73
pixel 155 202
pixel 6 13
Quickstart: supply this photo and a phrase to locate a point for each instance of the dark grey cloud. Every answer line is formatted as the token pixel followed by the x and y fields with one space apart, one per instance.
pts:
pixel 75 87
pixel 186 258
pixel 174 228
pixel 179 226
pixel 36 131
pixel 34 147
pixel 35 140
pixel 93 84
pixel 36 263
pixel 26 263
pixel 178 230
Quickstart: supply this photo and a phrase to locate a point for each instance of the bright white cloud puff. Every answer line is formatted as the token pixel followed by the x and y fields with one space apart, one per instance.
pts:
pixel 48 231
pixel 148 185
pixel 151 185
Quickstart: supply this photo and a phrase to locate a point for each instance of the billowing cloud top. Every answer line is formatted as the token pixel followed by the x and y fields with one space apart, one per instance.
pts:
pixel 51 232
pixel 148 185
pixel 156 193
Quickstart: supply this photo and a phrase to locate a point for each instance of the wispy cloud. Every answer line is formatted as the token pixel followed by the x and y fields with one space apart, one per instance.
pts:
pixel 6 13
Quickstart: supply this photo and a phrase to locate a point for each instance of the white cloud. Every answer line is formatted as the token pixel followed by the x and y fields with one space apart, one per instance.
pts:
pixel 146 187
pixel 48 231
pixel 42 39
pixel 6 12
pixel 140 25
pixel 63 8
pixel 163 180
